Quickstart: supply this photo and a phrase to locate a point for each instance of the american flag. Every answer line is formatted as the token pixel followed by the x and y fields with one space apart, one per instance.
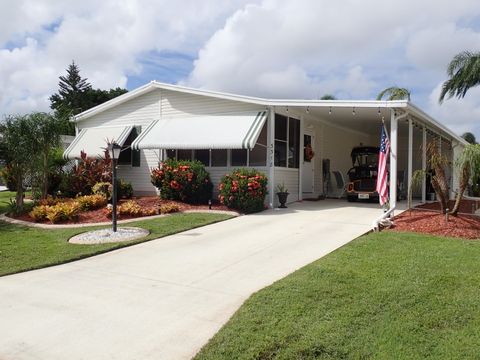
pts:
pixel 382 183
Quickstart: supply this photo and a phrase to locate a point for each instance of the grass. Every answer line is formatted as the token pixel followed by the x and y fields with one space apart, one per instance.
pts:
pixel 25 248
pixel 5 197
pixel 383 296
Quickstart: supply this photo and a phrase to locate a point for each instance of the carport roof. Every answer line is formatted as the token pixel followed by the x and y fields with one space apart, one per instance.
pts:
pixel 378 105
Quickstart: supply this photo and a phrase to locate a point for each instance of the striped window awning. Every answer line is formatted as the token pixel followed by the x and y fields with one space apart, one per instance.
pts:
pixel 232 131
pixel 93 141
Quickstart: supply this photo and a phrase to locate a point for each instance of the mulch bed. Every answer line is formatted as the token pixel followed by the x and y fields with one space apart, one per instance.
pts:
pixel 427 219
pixel 146 202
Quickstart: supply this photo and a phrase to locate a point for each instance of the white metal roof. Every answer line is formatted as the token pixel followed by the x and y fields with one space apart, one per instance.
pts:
pixel 233 131
pixel 93 141
pixel 402 105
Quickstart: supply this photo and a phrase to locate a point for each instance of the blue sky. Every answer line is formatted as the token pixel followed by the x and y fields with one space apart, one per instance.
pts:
pixel 271 48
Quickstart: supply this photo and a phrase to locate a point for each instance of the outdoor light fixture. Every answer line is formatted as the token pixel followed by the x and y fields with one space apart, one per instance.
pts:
pixel 330 111
pixel 353 111
pixel 308 109
pixel 114 149
pixel 379 113
pixel 287 108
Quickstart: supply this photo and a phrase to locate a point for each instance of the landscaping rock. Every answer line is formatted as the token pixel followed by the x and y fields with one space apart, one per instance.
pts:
pixel 108 236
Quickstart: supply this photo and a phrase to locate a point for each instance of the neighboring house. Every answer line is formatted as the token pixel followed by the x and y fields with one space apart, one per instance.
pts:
pixel 226 131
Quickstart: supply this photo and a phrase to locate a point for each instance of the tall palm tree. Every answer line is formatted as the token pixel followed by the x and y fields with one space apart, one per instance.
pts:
pixel 469 137
pixel 394 93
pixel 464 73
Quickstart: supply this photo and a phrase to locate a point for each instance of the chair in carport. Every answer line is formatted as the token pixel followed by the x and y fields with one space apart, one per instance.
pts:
pixel 337 191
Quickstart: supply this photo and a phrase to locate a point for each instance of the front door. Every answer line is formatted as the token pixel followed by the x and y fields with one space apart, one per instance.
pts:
pixel 308 168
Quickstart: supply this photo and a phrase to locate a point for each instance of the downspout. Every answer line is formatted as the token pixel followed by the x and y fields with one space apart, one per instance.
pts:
pixel 393 167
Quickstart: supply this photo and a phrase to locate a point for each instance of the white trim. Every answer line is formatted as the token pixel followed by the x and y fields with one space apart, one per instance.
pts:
pixel 424 164
pixel 410 155
pixel 154 85
pixel 271 156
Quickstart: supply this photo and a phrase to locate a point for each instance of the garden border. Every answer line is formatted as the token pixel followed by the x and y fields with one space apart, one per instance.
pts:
pixel 10 220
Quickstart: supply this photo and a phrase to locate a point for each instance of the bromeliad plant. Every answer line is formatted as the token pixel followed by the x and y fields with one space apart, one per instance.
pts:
pixel 183 180
pixel 244 190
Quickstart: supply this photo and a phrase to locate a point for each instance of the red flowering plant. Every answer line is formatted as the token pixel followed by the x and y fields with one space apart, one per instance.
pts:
pixel 244 190
pixel 183 180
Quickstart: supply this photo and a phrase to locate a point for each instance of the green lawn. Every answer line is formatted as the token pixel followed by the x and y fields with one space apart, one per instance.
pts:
pixel 5 197
pixel 24 248
pixel 383 296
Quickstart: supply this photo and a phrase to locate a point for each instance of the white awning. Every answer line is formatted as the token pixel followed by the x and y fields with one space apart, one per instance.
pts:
pixel 93 141
pixel 232 131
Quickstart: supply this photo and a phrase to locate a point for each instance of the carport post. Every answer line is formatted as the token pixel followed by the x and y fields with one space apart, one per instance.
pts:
pixel 424 164
pixel 393 160
pixel 410 154
pixel 270 156
pixel 300 159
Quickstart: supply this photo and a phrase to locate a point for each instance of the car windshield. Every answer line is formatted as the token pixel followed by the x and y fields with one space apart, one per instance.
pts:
pixel 367 159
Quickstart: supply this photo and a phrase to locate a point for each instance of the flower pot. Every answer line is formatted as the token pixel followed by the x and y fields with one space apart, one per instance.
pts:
pixel 282 199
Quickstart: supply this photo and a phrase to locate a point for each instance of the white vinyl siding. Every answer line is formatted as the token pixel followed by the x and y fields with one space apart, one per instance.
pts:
pixel 289 178
pixel 142 110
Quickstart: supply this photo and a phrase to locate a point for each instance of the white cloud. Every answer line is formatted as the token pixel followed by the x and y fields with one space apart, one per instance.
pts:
pixel 460 115
pixel 106 38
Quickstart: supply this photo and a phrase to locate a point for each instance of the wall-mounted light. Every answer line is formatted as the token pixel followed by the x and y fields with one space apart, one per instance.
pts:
pixel 308 110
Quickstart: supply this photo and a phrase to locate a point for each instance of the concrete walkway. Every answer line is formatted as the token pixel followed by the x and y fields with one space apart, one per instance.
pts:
pixel 164 299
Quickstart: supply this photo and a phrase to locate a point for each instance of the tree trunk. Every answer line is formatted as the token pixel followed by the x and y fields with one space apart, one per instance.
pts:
pixel 19 196
pixel 463 185
pixel 45 177
pixel 440 194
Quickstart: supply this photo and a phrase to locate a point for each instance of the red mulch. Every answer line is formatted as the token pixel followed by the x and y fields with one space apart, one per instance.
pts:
pixel 466 206
pixel 430 222
pixel 146 202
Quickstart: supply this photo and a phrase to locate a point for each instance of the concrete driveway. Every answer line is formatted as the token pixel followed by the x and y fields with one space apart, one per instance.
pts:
pixel 165 298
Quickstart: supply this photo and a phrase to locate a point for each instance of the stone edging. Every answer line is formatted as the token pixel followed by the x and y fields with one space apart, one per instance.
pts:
pixel 10 220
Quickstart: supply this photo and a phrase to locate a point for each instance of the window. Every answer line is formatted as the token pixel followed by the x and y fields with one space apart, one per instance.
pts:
pixel 239 157
pixel 219 157
pixel 171 153
pixel 287 141
pixel 258 155
pixel 203 156
pixel 293 142
pixel 184 154
pixel 127 155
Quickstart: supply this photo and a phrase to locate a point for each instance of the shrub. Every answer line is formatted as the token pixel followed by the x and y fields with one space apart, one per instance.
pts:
pixel 244 190
pixel 103 188
pixel 39 213
pixel 9 178
pixel 49 201
pixel 130 207
pixel 125 189
pixel 91 202
pixel 82 178
pixel 183 180
pixel 168 208
pixel 63 212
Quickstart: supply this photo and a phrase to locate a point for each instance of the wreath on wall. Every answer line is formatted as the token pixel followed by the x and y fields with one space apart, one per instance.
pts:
pixel 308 153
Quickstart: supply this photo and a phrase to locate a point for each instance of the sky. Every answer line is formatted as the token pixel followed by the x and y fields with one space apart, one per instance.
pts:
pixel 269 48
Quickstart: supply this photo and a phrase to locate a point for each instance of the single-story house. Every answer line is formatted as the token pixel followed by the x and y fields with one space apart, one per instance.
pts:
pixel 226 131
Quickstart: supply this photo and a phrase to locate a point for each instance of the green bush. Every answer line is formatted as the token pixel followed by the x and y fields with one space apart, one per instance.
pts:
pixel 187 181
pixel 244 190
pixel 125 189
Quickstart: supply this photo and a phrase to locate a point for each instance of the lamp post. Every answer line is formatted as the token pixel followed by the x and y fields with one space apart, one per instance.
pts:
pixel 114 150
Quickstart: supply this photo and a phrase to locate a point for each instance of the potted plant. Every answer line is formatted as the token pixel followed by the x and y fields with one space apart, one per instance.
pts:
pixel 282 193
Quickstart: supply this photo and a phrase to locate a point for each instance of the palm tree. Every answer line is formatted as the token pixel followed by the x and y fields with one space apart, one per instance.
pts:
pixel 469 165
pixel 464 73
pixel 469 137
pixel 394 93
pixel 328 97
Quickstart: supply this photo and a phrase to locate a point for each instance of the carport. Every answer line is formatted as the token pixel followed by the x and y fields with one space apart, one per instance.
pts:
pixel 334 127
